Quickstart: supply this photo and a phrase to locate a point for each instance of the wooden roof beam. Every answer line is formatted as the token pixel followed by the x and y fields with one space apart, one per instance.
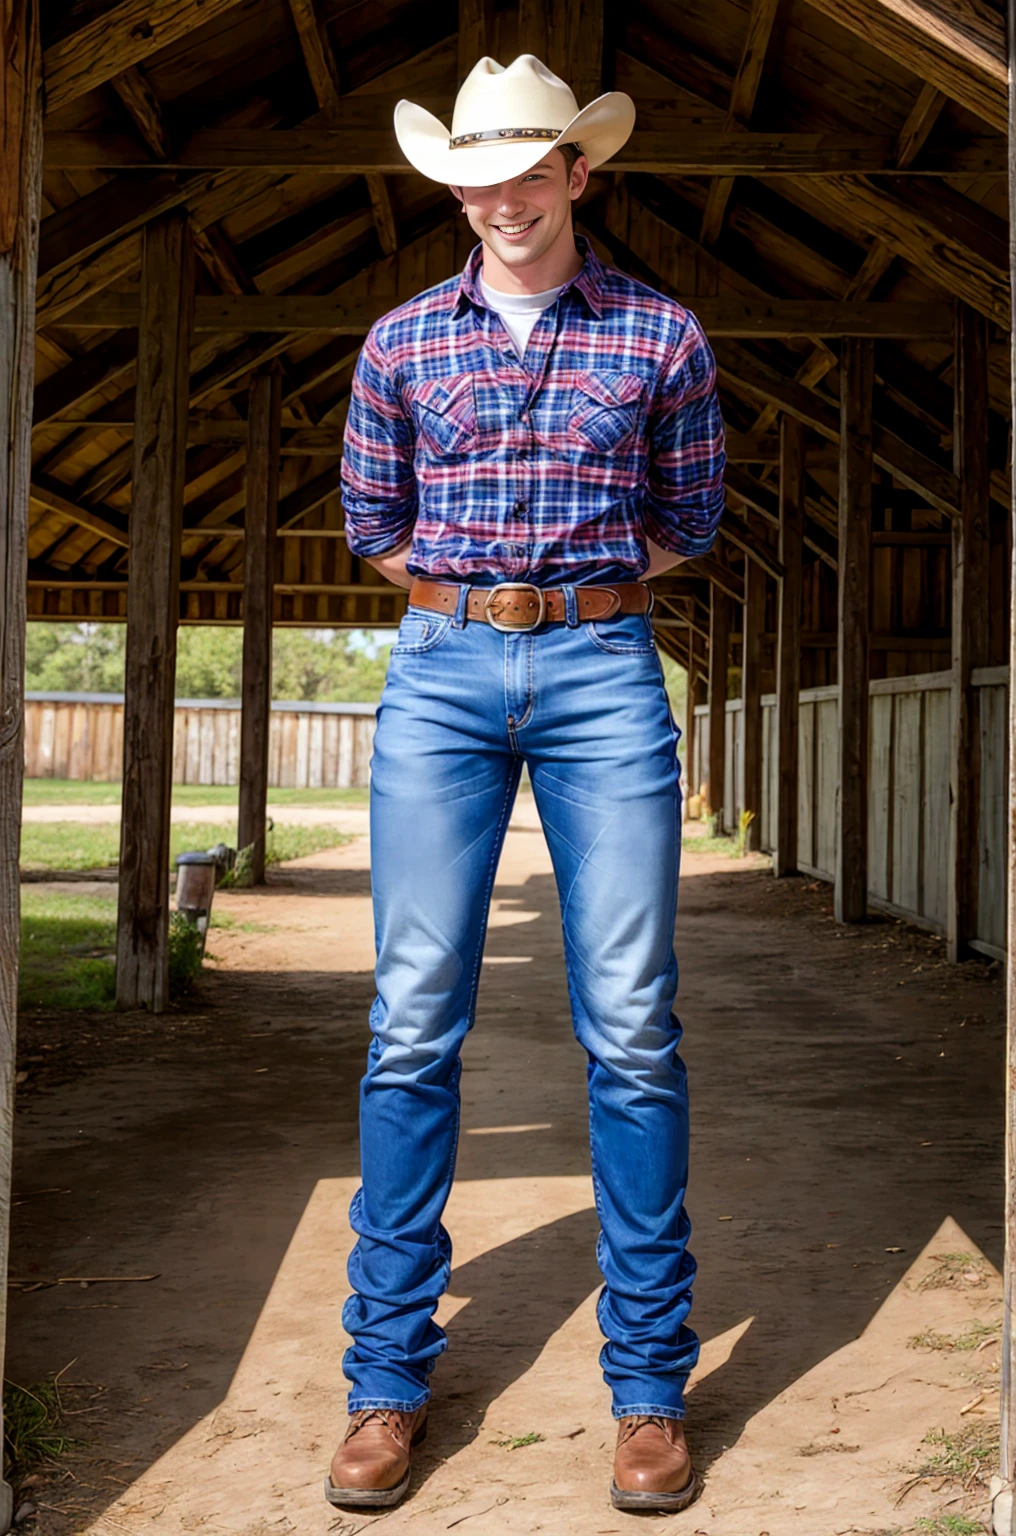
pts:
pixel 743 92
pixel 956 45
pixel 744 373
pixel 110 526
pixel 115 40
pixel 324 78
pixel 293 313
pixel 366 144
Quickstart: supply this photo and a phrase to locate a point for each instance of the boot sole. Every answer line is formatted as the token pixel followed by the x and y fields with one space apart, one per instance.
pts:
pixel 374 1498
pixel 658 1503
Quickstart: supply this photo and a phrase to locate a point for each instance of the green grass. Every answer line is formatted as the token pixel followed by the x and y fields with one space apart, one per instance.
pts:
pixel 516 1442
pixel 966 1457
pixel 950 1525
pixel 55 846
pixel 67 943
pixel 709 844
pixel 75 792
pixel 972 1337
pixel 32 1433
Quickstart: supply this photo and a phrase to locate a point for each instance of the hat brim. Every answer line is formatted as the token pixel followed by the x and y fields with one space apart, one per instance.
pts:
pixel 601 129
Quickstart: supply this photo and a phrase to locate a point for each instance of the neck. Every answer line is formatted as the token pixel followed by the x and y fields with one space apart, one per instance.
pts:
pixel 551 270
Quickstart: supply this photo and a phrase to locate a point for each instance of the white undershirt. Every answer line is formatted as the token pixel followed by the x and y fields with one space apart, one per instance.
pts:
pixel 519 311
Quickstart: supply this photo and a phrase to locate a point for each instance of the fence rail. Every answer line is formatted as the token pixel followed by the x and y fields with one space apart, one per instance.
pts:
pixel 311 746
pixel 910 722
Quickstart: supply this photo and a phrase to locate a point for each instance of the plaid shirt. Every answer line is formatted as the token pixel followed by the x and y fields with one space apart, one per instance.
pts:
pixel 549 469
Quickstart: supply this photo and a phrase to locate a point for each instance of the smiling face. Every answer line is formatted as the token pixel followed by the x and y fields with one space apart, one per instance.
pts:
pixel 526 225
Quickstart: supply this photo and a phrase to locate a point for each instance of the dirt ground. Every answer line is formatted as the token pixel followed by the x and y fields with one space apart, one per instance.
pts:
pixel 847 1125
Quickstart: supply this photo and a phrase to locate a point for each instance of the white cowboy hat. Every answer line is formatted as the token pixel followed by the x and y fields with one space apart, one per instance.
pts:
pixel 505 121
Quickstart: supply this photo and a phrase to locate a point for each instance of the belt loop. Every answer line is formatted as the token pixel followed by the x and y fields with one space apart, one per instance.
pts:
pixel 459 621
pixel 571 607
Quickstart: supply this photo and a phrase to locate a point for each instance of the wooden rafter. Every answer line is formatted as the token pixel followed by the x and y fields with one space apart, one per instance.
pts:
pixel 742 101
pixel 721 317
pixel 117 39
pixel 364 143
pixel 324 78
pixel 956 45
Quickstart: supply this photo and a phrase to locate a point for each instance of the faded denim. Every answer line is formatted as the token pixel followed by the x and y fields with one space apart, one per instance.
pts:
pixel 584 707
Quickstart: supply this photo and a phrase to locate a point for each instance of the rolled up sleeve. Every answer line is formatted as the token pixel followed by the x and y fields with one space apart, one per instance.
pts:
pixel 684 493
pixel 378 484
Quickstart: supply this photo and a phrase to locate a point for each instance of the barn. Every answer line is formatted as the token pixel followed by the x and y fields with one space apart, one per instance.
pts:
pixel 203 209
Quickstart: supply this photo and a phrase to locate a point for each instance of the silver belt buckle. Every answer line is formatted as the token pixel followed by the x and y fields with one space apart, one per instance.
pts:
pixel 491 610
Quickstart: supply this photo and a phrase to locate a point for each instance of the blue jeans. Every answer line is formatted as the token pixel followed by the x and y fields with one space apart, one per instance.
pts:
pixel 584 708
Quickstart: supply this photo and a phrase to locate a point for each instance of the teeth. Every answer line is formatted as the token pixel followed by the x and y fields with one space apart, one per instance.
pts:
pixel 515 229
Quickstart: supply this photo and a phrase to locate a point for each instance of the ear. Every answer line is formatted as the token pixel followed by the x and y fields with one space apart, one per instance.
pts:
pixel 456 192
pixel 578 178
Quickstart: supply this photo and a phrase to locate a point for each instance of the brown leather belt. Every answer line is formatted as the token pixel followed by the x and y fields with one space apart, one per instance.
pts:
pixel 519 605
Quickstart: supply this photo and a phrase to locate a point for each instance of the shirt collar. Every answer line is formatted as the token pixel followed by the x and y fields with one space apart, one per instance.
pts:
pixel 588 281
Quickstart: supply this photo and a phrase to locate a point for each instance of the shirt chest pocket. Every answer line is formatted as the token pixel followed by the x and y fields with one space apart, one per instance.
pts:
pixel 444 411
pixel 605 410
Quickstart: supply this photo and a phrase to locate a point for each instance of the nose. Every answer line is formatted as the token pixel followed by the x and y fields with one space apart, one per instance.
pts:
pixel 509 199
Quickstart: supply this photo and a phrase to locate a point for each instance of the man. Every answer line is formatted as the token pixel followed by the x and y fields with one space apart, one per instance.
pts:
pixel 526 444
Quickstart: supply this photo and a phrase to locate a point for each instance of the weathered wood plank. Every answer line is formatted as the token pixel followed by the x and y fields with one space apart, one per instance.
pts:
pixel 935 805
pixel 880 797
pixel 20 198
pixel 160 442
pixel 908 794
pixel 993 720
pixel 718 316
pixel 116 39
pixel 911 467
pixel 788 644
pixel 719 647
pixel 747 79
pixel 112 527
pixel 957 45
pixel 262 497
pixel 135 91
pixel 751 698
pixel 970 619
pixel 857 380
pixel 365 143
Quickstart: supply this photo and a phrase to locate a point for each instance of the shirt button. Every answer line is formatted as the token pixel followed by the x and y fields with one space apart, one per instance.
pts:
pixel 523 415
pixel 520 509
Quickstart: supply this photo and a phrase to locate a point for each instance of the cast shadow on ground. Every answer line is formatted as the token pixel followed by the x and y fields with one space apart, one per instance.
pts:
pixel 196 1154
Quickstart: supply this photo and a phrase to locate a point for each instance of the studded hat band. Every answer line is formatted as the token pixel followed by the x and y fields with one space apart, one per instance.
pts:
pixel 503 135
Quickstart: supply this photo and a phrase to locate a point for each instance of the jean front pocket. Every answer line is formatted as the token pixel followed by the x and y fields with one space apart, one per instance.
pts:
pixel 627 634
pixel 421 631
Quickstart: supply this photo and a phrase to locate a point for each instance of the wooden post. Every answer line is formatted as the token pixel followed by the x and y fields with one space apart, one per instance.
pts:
pixel 263 444
pixel 788 643
pixel 857 377
pixel 719 649
pixel 690 724
pixel 970 620
pixel 753 625
pixel 20 191
pixel 153 610
pixel 1004 1506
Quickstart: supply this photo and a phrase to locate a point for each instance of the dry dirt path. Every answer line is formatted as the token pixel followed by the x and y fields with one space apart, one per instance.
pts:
pixel 847 1118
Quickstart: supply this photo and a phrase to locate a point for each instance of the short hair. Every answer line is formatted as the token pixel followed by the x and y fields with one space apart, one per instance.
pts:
pixel 571 153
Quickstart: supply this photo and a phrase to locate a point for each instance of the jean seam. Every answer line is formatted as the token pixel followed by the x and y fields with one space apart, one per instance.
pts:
pixel 355 1404
pixel 525 719
pixel 661 1411
pixel 513 779
pixel 441 631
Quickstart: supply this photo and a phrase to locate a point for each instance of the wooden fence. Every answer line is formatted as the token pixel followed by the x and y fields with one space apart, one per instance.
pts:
pixel 311 746
pixel 908 791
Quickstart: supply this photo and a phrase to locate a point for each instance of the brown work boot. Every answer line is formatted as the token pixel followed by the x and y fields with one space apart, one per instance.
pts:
pixel 652 1468
pixel 370 1469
